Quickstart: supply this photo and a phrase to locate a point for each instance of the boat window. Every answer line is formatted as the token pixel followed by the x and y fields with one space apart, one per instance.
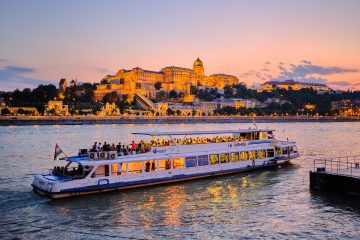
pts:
pixel 263 135
pixel 270 153
pixel 214 159
pixel 270 135
pixel 253 155
pixel 134 167
pixel 164 164
pixel 191 161
pixel 118 169
pixel 149 166
pixel 261 154
pixel 291 150
pixel 224 157
pixel 295 149
pixel 101 171
pixel 256 135
pixel 234 157
pixel 284 151
pixel 278 151
pixel 203 160
pixel 178 163
pixel 244 156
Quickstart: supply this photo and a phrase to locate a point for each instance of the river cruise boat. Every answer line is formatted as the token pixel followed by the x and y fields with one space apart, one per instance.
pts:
pixel 169 157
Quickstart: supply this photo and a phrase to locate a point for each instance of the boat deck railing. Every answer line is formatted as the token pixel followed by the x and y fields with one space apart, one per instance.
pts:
pixel 347 165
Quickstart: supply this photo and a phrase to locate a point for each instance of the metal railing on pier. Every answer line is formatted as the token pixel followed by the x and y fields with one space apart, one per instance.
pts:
pixel 348 165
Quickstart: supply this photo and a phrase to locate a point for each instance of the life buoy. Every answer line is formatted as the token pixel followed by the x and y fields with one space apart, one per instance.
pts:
pixel 112 156
pixel 102 155
pixel 92 155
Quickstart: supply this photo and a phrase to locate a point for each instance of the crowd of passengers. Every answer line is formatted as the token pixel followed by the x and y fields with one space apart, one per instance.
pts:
pixel 143 146
pixel 64 171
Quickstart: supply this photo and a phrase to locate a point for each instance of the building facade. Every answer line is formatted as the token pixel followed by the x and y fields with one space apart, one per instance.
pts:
pixel 171 78
pixel 294 85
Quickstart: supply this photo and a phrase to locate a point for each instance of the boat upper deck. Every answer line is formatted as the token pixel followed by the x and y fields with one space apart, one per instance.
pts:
pixel 213 132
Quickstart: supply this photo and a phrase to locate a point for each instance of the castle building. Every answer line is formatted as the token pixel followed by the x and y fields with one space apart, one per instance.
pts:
pixel 130 82
pixel 294 85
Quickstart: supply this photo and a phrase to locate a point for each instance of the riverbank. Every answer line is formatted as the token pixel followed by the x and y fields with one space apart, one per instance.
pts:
pixel 83 120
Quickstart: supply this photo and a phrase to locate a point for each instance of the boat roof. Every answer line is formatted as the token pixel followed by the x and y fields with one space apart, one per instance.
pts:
pixel 202 132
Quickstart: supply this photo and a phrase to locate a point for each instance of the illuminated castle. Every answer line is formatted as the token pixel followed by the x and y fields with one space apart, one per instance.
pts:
pixel 172 78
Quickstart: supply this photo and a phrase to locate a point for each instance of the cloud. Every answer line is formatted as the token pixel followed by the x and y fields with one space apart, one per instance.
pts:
pixel 102 70
pixel 341 83
pixel 267 63
pixel 308 72
pixel 12 77
pixel 4 60
pixel 306 62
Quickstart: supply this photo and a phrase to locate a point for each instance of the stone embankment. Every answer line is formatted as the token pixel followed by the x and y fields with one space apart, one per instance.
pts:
pixel 41 120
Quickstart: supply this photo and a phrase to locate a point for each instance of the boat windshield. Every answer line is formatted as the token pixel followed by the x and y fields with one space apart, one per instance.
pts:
pixel 78 172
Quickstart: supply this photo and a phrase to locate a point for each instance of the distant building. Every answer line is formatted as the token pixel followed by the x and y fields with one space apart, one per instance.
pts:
pixel 347 107
pixel 295 85
pixel 56 108
pixel 171 78
pixel 72 83
pixel 109 109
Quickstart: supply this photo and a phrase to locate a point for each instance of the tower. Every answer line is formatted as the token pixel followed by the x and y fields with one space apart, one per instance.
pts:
pixel 62 85
pixel 198 67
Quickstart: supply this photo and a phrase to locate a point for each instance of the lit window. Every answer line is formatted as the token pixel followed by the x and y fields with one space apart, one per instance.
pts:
pixel 244 156
pixel 214 159
pixel 253 155
pixel 134 167
pixel 261 154
pixel 234 157
pixel 224 157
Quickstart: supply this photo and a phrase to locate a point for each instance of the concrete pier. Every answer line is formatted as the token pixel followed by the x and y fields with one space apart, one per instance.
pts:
pixel 339 175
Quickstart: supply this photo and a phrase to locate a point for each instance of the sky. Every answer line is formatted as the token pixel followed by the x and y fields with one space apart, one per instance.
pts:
pixel 256 40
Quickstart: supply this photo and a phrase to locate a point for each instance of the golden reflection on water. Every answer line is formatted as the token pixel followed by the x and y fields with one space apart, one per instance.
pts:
pixel 175 198
pixel 147 208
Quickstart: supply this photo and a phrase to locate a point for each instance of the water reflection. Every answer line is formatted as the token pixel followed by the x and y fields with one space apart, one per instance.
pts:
pixel 263 204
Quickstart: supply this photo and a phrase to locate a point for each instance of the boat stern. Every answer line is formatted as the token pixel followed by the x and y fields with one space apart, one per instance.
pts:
pixel 45 184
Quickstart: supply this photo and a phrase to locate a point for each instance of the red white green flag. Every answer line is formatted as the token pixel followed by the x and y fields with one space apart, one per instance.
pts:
pixel 58 151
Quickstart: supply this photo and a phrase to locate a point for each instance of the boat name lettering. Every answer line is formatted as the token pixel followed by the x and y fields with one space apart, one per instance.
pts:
pixel 159 151
pixel 231 145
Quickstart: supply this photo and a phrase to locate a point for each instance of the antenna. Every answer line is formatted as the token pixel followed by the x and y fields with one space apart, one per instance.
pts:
pixel 254 123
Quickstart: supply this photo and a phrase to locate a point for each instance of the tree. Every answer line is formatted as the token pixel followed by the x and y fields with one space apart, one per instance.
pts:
pixel 111 97
pixel 170 112
pixel 5 111
pixel 21 111
pixel 173 94
pixel 157 85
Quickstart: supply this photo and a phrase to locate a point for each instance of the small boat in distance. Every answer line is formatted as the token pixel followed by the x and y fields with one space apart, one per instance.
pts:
pixel 182 156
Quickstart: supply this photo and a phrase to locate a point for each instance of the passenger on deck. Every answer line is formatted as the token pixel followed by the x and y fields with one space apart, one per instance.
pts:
pixel 147 166
pixel 94 147
pixel 133 145
pixel 118 148
pixel 98 147
pixel 153 166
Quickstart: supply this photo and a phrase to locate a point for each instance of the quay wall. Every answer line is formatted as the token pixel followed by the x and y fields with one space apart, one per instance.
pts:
pixel 83 120
pixel 335 183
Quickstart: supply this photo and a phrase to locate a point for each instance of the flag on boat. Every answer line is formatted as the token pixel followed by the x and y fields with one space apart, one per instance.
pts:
pixel 58 151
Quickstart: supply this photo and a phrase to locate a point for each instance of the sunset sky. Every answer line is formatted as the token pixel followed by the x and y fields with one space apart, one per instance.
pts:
pixel 256 40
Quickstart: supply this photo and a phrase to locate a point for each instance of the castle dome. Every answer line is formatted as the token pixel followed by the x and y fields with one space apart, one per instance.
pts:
pixel 198 63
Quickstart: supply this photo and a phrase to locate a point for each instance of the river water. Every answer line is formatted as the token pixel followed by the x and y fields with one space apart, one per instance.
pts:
pixel 267 204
